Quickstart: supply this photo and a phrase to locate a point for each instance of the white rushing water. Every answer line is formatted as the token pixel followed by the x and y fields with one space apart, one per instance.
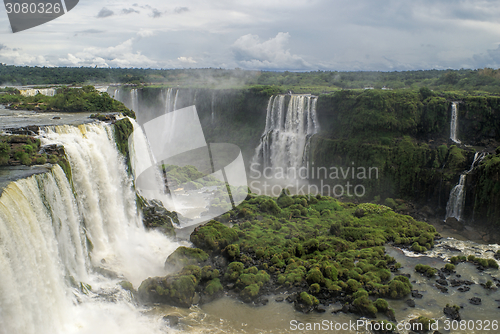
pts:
pixel 35 91
pixel 286 138
pixel 54 235
pixel 455 204
pixel 454 123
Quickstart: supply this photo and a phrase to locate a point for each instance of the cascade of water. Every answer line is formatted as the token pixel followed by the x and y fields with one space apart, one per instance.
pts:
pixel 53 234
pixel 455 204
pixel 43 91
pixel 454 123
pixel 286 138
pixel 134 97
pixel 175 99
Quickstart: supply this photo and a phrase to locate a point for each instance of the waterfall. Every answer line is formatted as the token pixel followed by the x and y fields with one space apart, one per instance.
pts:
pixel 170 99
pixel 286 138
pixel 54 235
pixel 456 200
pixel 454 123
pixel 134 98
pixel 33 92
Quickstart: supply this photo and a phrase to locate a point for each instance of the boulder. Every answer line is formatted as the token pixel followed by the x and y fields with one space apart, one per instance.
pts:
pixel 454 223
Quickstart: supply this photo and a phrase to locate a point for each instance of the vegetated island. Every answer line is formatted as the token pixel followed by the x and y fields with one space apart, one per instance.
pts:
pixel 85 99
pixel 317 249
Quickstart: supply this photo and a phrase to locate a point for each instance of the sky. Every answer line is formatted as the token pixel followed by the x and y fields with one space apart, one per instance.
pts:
pixel 276 35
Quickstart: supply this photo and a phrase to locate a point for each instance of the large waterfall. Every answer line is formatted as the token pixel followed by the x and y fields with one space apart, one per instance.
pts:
pixel 454 123
pixel 65 246
pixel 455 204
pixel 285 141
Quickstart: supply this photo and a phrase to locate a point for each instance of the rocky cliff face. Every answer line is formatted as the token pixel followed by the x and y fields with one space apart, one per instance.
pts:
pixel 404 134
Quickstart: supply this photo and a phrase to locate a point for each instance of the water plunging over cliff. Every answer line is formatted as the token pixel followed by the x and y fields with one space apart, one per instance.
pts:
pixel 54 235
pixel 35 91
pixel 454 123
pixel 285 141
pixel 455 204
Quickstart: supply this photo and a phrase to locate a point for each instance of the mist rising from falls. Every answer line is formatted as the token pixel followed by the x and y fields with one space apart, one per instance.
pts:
pixel 286 138
pixel 454 123
pixel 53 235
pixel 456 201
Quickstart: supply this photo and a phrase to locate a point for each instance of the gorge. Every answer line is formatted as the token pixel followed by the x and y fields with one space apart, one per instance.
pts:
pixel 82 233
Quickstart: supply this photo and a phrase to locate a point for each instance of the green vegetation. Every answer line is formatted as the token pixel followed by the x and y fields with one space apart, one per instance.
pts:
pixel 122 130
pixel 486 79
pixel 326 246
pixel 486 263
pixel 84 99
pixel 188 177
pixel 21 150
pixel 184 256
pixel 426 270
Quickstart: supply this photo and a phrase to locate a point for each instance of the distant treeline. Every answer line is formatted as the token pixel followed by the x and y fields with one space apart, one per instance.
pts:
pixel 486 79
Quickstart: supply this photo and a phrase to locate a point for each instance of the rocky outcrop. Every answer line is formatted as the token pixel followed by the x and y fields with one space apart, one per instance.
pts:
pixel 155 216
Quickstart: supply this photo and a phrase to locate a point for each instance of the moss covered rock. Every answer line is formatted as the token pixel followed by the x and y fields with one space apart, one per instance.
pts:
pixel 177 290
pixel 184 256
pixel 213 236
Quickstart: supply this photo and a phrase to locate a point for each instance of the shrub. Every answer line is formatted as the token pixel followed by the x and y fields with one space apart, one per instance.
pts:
pixel 308 299
pixel 449 267
pixel 314 288
pixel 382 305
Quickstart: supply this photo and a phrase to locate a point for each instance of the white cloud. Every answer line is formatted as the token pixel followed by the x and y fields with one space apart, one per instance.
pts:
pixel 15 56
pixel 121 55
pixel 186 60
pixel 145 33
pixel 251 53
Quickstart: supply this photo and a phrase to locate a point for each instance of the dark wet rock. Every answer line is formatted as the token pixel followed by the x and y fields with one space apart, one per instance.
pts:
pixel 442 282
pixel 463 289
pixel 155 216
pixel 172 320
pixel 450 248
pixel 416 294
pixel 279 299
pixel 56 117
pixel 452 312
pixel 320 309
pixel 454 223
pixel 442 288
pixel 410 302
pixel 305 303
pixel 475 301
pixel 106 272
pixel 390 315
pixel 456 282
pixel 458 275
